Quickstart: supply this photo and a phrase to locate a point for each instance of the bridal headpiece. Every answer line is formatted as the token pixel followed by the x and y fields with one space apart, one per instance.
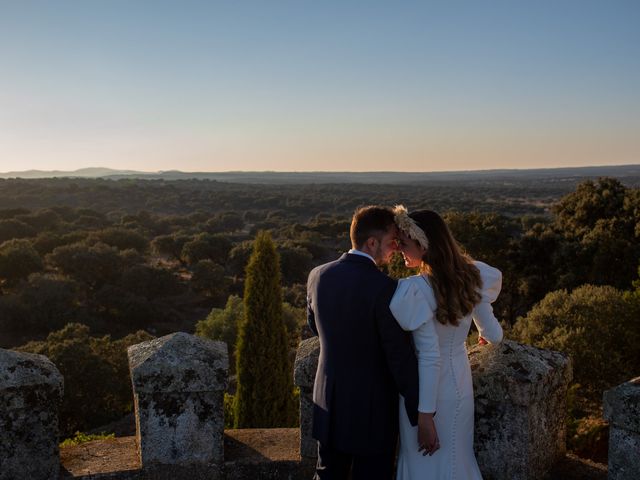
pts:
pixel 409 226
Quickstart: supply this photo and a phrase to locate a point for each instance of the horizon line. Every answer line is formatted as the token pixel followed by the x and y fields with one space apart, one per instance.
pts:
pixel 160 172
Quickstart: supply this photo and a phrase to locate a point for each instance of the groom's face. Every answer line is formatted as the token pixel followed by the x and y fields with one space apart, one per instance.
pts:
pixel 386 245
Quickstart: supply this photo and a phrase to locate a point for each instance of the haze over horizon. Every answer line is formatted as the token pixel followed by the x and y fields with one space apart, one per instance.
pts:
pixel 301 86
pixel 630 167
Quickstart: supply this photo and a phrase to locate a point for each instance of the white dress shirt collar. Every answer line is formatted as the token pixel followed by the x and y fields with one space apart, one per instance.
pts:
pixel 358 252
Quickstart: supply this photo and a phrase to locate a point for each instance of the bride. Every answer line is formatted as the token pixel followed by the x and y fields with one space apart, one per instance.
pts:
pixel 437 306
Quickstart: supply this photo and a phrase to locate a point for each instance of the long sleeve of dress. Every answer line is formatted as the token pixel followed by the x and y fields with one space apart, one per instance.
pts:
pixel 488 325
pixel 428 352
pixel 413 306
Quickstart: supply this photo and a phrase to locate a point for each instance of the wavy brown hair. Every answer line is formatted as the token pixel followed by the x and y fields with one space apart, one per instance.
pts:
pixel 453 276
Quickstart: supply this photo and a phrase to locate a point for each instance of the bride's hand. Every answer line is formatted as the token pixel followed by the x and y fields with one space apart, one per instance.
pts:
pixel 428 441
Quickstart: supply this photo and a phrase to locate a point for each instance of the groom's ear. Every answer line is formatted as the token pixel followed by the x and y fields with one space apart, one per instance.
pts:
pixel 371 243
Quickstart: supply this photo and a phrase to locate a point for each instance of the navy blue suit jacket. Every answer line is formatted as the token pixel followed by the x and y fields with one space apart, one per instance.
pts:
pixel 366 359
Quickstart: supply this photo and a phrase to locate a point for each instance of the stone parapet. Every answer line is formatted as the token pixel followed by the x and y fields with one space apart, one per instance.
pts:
pixel 520 409
pixel 622 411
pixel 178 385
pixel 304 375
pixel 30 394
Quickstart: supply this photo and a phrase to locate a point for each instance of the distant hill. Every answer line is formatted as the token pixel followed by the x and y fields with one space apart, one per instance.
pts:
pixel 91 172
pixel 628 172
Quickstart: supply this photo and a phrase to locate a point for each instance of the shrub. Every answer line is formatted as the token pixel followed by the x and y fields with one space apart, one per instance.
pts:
pixel 97 387
pixel 121 238
pixel 222 324
pixel 93 265
pixel 597 326
pixel 18 259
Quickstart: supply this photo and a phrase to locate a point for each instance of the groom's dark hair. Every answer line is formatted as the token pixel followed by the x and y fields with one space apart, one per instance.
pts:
pixel 368 222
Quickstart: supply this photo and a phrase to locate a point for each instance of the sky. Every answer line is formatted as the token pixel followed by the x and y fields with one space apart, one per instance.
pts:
pixel 304 85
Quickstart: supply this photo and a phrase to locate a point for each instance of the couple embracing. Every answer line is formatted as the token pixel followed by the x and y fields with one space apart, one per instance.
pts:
pixel 392 354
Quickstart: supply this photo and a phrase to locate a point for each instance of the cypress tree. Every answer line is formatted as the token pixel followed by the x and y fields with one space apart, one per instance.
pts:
pixel 264 397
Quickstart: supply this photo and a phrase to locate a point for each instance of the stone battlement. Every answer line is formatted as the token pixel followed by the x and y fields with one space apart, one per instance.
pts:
pixel 179 382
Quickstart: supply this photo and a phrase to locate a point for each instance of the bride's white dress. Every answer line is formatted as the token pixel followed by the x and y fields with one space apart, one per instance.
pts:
pixel 445 377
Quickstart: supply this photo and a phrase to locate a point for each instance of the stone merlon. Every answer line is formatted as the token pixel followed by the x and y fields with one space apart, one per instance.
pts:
pixel 622 405
pixel 30 393
pixel 20 370
pixel 524 373
pixel 179 363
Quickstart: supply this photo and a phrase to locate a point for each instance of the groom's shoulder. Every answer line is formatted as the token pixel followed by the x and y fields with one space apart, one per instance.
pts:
pixel 323 267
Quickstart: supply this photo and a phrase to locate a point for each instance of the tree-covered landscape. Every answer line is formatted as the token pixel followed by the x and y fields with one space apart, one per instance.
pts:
pixel 91 266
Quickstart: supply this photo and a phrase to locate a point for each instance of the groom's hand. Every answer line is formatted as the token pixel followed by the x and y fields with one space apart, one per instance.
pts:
pixel 428 442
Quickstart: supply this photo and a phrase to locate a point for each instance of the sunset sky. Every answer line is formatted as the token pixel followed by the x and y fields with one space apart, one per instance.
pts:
pixel 318 85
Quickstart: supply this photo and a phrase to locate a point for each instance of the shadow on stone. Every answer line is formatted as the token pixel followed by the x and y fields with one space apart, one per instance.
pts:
pixel 572 467
pixel 251 453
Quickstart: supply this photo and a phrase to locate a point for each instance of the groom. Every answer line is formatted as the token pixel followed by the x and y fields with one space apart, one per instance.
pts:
pixel 366 359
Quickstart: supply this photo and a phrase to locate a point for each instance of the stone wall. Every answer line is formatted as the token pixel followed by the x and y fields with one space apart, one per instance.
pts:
pixel 520 407
pixel 622 411
pixel 179 382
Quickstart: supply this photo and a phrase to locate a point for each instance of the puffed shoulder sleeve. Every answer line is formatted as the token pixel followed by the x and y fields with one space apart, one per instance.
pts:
pixel 491 282
pixel 488 326
pixel 412 304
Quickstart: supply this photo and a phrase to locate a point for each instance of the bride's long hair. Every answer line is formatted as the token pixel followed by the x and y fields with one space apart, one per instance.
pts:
pixel 455 279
